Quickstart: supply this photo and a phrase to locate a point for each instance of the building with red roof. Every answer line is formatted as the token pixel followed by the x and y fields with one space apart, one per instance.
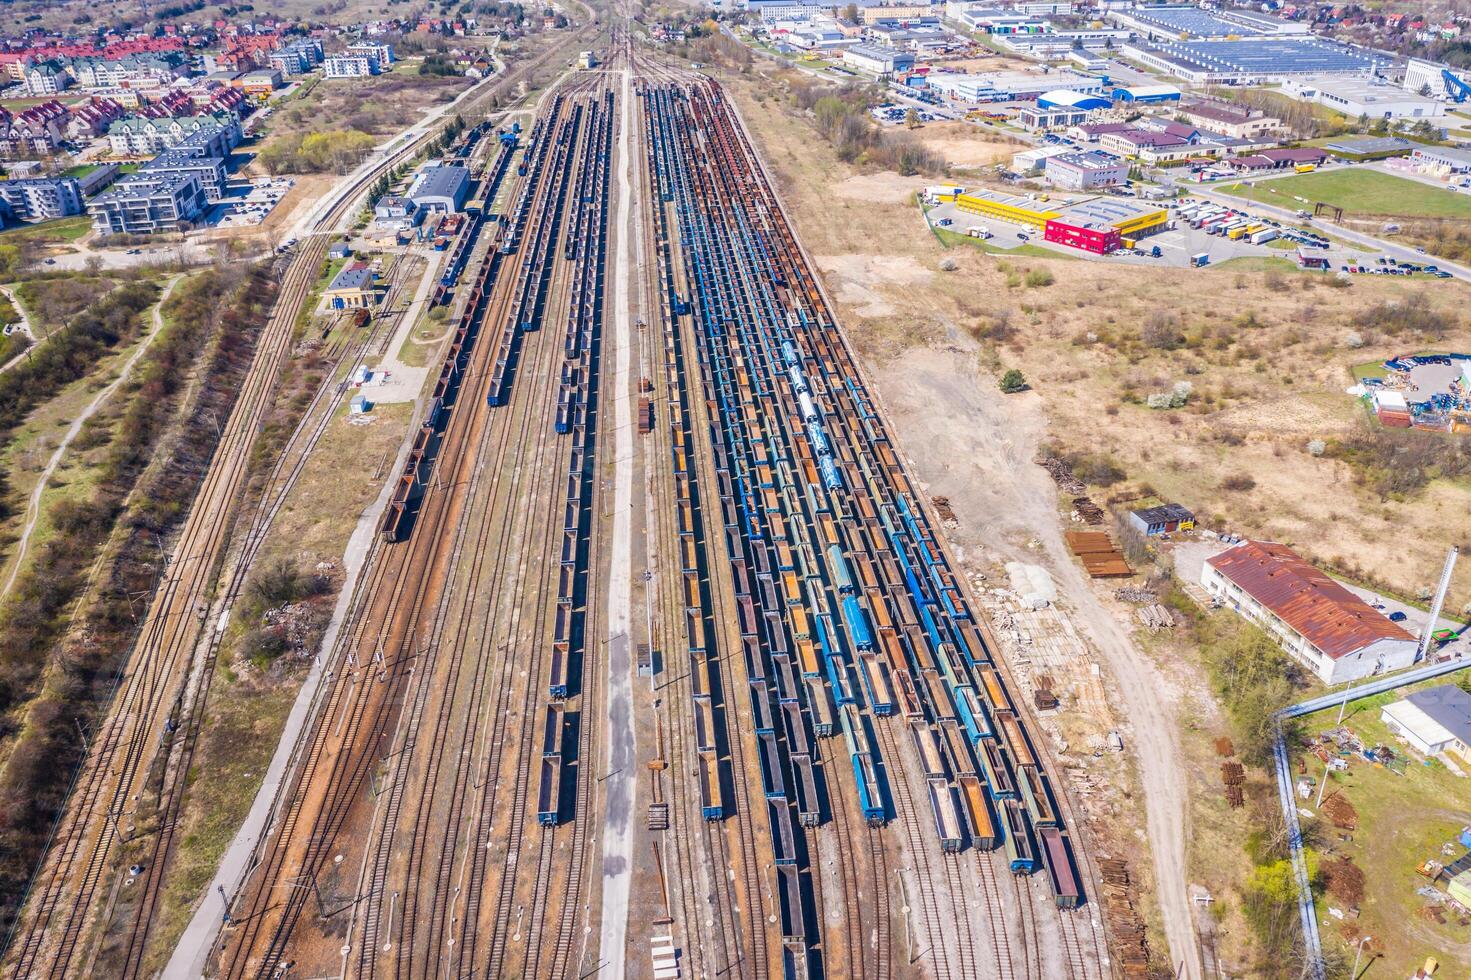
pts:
pixel 1324 626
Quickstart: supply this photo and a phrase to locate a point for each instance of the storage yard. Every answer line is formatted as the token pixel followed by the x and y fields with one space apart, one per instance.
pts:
pixel 777 565
pixel 835 727
pixel 1421 391
pixel 1186 233
pixel 1398 818
pixel 1267 350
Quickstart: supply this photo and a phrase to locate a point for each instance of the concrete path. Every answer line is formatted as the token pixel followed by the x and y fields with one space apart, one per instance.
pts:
pixel 33 505
pixel 404 381
pixel 192 952
pixel 25 327
pixel 619 784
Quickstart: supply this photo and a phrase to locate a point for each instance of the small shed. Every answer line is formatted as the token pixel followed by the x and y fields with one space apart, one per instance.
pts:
pixel 1164 519
pixel 1306 260
pixel 339 250
pixel 1392 408
pixel 1460 888
pixel 360 405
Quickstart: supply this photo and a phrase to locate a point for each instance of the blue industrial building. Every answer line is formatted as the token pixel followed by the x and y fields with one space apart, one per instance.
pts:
pixel 1146 94
pixel 1065 99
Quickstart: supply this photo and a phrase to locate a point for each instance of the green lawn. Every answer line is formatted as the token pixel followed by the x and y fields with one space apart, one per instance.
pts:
pixel 1256 263
pixel 1359 192
pixel 57 230
pixel 1403 819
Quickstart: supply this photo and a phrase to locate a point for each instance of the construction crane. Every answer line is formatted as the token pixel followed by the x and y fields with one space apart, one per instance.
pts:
pixel 1457 89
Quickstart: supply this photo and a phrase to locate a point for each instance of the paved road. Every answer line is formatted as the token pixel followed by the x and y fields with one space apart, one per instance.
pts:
pixel 25 327
pixel 1399 252
pixel 620 785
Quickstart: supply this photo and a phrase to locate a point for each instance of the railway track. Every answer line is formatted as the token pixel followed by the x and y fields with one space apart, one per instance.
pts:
pixel 426 898
pixel 168 663
pixel 855 589
pixel 278 485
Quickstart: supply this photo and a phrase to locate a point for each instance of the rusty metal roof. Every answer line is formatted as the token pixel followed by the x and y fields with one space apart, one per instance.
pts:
pixel 1328 615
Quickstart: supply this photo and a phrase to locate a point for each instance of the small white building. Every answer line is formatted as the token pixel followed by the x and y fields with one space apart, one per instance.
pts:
pixel 878 60
pixel 1321 624
pixel 1029 160
pixel 1432 721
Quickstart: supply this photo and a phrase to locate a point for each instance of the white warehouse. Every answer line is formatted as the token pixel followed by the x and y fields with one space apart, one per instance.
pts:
pixel 878 61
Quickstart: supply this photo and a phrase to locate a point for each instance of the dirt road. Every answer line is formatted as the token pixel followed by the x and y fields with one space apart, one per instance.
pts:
pixel 33 504
pixel 979 453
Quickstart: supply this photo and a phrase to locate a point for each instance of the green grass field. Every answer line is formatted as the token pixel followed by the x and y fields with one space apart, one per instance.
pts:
pixel 1256 263
pixel 1403 819
pixel 56 230
pixel 1359 192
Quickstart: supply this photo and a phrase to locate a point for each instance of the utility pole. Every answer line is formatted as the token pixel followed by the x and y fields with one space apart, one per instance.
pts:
pixel 1440 591
pixel 1353 974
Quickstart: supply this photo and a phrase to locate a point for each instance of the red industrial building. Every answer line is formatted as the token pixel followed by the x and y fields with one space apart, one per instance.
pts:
pixel 1098 240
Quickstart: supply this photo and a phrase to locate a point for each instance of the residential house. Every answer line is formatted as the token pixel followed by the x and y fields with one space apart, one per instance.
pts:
pixel 1433 721
pixel 46 78
pixel 42 198
pixel 143 204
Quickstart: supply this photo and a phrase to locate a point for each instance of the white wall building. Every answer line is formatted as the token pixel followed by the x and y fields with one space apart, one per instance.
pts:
pixel 1321 624
pixel 1429 78
pixel 1355 97
pixel 349 66
pixel 1005 86
pixel 1432 721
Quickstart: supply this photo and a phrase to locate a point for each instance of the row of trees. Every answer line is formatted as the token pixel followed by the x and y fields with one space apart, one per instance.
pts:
pixel 842 115
pixel 61 638
pixel 334 150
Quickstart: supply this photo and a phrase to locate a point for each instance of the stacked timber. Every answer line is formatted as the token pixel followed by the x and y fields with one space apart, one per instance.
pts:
pixel 1097 552
pixel 1124 922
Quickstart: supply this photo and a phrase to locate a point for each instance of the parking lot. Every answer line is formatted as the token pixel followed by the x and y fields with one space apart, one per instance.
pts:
pixel 249 205
pixel 1177 245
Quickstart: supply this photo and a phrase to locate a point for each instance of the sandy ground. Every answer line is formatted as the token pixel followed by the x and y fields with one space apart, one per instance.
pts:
pixel 978 452
pixel 960 145
pixel 1267 353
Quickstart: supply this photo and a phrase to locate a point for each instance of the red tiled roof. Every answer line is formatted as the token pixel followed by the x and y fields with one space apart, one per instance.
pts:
pixel 1328 615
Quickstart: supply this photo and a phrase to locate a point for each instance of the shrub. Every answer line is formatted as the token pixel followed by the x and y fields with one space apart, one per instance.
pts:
pixel 1040 277
pixel 1013 381
pixel 1412 315
pixel 1162 330
pixel 1238 483
pixel 1095 468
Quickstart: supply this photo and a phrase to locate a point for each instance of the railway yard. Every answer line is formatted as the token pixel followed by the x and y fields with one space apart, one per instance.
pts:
pixel 784 746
